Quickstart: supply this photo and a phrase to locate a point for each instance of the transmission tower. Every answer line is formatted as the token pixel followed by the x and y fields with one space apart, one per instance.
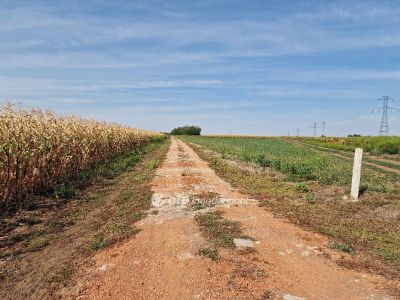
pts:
pixel 298 132
pixel 323 127
pixel 314 126
pixel 384 127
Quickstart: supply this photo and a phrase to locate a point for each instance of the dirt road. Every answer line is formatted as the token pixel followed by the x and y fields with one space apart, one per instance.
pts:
pixel 161 261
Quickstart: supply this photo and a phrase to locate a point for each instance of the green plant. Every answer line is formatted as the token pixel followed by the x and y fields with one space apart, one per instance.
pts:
pixel 372 144
pixel 211 253
pixel 64 191
pixel 153 164
pixel 309 197
pixel 342 247
pixel 198 206
pixel 99 242
pixel 302 187
pixel 220 231
pixel 37 243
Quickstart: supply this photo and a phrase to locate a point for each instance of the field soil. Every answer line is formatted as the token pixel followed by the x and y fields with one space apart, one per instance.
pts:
pixel 276 260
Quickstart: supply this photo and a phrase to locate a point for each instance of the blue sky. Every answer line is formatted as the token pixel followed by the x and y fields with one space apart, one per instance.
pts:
pixel 234 67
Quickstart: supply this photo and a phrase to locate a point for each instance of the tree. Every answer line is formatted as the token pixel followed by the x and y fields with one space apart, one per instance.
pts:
pixel 186 130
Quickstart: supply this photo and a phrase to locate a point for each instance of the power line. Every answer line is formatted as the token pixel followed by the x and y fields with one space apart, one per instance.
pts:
pixel 314 126
pixel 384 126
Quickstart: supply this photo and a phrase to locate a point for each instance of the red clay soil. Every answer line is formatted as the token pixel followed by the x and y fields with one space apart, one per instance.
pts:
pixel 161 261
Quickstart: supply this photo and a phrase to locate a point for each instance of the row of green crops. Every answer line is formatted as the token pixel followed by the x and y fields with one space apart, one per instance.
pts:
pixel 372 144
pixel 299 162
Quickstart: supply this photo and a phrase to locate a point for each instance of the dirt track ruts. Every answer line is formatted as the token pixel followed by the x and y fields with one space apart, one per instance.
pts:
pixel 342 154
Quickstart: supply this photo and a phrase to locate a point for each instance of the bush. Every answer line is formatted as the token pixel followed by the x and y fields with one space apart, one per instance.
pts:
pixel 186 130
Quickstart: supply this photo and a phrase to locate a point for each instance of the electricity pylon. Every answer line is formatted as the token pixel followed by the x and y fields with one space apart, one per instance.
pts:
pixel 384 127
pixel 314 126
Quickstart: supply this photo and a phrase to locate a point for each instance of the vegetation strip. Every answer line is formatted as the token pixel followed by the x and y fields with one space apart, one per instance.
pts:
pixel 349 156
pixel 298 162
pixel 373 144
pixel 62 238
pixel 219 232
pixel 368 228
pixel 128 207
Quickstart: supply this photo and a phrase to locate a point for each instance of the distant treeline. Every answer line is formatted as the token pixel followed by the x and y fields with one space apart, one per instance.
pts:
pixel 186 130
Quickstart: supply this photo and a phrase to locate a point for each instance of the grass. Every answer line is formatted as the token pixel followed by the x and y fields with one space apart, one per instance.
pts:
pixel 219 232
pixel 370 226
pixel 198 206
pixel 27 240
pixel 153 164
pixel 62 275
pixel 128 207
pixel 261 184
pixel 211 253
pixel 204 200
pixel 309 197
pixel 342 247
pixel 65 191
pixel 99 242
pixel 38 243
pixel 302 187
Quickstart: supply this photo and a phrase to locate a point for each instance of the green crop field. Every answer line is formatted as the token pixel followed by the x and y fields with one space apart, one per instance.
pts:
pixel 299 163
pixel 375 144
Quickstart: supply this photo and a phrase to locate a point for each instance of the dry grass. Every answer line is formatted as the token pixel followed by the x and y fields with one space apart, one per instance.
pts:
pixel 40 149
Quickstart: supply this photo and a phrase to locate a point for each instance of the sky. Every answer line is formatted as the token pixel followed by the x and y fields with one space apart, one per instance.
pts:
pixel 231 67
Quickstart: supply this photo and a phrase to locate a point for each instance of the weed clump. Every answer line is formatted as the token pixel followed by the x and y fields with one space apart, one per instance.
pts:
pixel 302 187
pixel 309 197
pixel 38 243
pixel 209 252
pixel 342 247
pixel 218 230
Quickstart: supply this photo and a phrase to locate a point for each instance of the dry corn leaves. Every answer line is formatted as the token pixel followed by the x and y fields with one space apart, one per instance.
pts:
pixel 38 149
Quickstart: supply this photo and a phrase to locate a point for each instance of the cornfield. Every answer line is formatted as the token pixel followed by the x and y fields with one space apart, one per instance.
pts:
pixel 39 149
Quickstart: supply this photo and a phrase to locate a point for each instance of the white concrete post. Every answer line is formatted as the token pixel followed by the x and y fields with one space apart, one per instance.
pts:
pixel 355 182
